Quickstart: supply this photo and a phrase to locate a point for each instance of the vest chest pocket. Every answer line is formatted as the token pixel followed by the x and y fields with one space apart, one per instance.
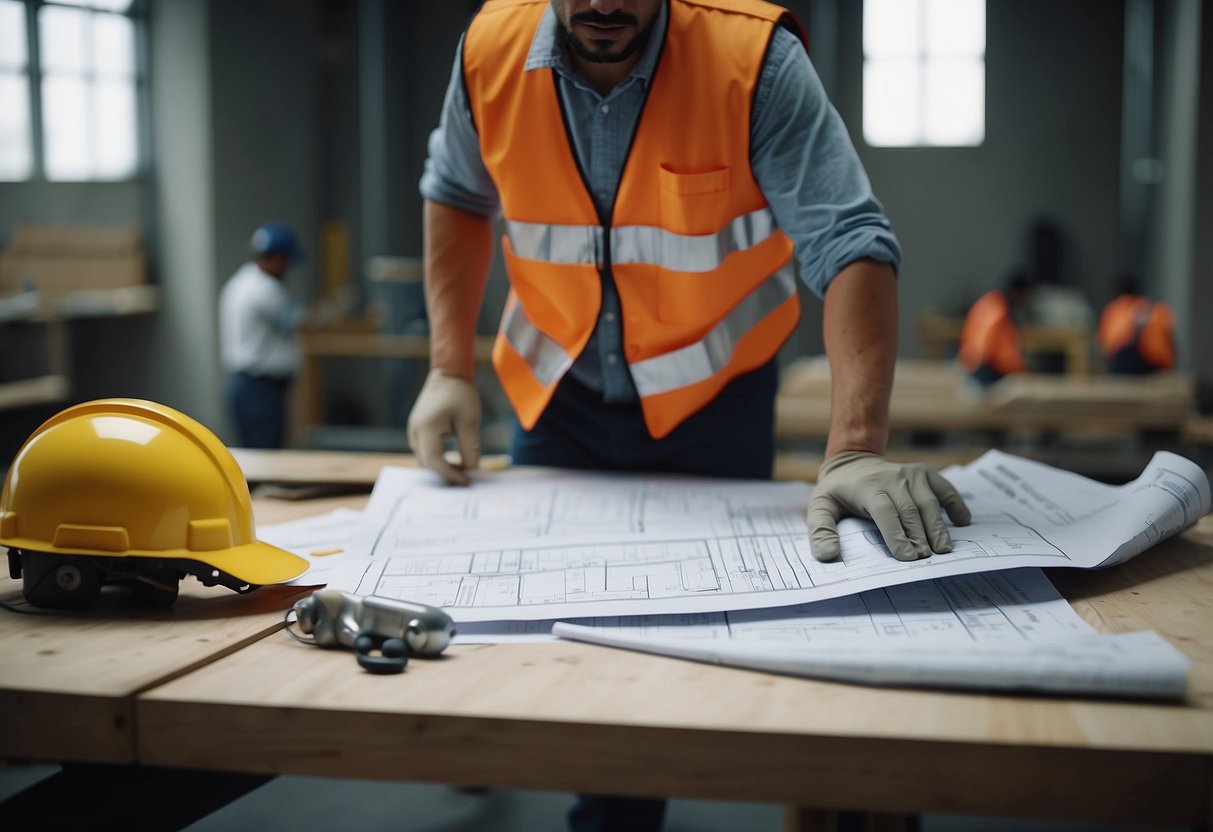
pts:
pixel 693 203
pixel 694 208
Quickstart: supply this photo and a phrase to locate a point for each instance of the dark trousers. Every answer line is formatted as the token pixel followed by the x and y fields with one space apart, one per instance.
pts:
pixel 258 406
pixel 1128 361
pixel 985 375
pixel 734 436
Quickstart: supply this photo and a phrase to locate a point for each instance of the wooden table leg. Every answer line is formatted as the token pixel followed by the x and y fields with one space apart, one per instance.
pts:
pixel 805 819
pixel 892 823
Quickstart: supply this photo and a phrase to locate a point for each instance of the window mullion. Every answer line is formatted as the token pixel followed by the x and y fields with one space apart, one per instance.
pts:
pixel 143 101
pixel 924 58
pixel 90 78
pixel 34 75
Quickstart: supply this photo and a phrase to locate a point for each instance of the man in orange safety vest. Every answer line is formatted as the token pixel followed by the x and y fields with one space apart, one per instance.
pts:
pixel 989 340
pixel 664 170
pixel 1136 334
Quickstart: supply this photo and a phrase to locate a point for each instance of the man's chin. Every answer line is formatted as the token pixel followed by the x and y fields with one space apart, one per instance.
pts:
pixel 610 52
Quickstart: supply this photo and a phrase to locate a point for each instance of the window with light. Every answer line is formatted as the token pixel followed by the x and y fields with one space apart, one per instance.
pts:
pixel 69 90
pixel 924 72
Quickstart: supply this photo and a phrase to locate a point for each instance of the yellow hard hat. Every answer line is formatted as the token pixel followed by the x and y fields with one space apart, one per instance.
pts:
pixel 132 479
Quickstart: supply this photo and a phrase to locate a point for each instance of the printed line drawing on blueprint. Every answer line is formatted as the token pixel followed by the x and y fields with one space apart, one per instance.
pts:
pixel 593 572
pixel 1001 535
pixel 1011 605
pixel 409 513
pixel 594 544
pixel 736 572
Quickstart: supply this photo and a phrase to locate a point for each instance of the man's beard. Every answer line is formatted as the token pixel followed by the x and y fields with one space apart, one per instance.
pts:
pixel 604 56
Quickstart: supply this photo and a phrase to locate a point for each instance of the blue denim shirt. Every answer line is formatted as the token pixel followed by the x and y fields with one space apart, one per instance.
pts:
pixel 800 153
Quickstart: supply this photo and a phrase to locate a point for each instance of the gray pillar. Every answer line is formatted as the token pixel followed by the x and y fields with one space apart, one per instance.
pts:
pixel 1201 301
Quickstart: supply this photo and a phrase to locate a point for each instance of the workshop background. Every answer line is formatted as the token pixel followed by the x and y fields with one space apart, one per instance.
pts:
pixel 1094 122
pixel 141 142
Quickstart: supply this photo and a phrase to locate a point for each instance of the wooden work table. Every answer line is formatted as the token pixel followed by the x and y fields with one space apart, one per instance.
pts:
pixel 578 717
pixel 68 680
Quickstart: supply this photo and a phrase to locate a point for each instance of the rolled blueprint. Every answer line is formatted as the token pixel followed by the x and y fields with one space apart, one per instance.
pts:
pixel 1135 665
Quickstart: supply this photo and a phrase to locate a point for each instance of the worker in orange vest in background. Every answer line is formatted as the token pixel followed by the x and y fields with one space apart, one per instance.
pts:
pixel 1136 334
pixel 989 341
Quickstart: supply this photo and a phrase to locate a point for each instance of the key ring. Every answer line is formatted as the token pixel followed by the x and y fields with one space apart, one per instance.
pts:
pixel 393 654
pixel 288 621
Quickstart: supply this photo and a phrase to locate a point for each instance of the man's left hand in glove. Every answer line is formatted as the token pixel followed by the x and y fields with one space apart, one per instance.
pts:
pixel 905 501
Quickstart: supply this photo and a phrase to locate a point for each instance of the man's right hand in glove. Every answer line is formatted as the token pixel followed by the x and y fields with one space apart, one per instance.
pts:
pixel 447 406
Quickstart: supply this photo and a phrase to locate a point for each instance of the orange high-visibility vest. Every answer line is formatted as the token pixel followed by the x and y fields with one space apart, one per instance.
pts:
pixel 990 337
pixel 705 279
pixel 1150 325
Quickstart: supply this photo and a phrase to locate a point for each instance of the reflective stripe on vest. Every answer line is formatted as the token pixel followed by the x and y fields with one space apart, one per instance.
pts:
pixel 704 359
pixel 640 243
pixel 556 243
pixel 689 365
pixel 546 358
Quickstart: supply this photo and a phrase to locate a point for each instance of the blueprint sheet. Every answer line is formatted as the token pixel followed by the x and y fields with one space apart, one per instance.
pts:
pixel 1138 665
pixel 321 540
pixel 1012 606
pixel 534 544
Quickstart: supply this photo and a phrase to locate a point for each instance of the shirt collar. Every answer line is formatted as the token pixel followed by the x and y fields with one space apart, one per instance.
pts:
pixel 549 48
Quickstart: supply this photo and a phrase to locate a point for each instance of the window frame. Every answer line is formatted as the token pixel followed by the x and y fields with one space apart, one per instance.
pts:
pixel 922 58
pixel 137 14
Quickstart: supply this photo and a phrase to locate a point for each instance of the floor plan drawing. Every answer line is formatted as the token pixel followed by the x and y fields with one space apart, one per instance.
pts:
pixel 1009 605
pixel 541 544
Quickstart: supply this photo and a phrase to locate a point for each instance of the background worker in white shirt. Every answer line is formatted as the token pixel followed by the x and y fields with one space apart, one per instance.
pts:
pixel 257 323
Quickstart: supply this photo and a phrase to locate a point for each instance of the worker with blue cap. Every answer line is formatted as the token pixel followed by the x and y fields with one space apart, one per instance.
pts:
pixel 257 323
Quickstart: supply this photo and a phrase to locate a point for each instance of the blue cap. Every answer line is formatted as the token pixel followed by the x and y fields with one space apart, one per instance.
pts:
pixel 276 238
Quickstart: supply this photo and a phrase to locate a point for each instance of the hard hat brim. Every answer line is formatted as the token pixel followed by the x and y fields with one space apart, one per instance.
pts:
pixel 257 562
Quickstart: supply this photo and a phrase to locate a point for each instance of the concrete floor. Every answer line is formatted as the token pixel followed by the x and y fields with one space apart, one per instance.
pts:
pixel 291 803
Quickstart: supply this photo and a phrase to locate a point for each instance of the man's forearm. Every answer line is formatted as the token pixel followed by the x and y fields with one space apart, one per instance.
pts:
pixel 458 251
pixel 860 330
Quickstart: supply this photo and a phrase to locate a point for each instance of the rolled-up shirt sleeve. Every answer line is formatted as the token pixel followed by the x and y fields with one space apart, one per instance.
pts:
pixel 454 171
pixel 807 168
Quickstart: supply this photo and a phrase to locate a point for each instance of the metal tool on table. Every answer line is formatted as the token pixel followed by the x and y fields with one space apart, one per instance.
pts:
pixel 383 632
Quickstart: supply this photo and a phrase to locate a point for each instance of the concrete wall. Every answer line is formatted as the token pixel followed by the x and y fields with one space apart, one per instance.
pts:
pixel 70 202
pixel 186 372
pixel 235 137
pixel 1202 276
pixel 265 128
pixel 1051 149
pixel 1171 250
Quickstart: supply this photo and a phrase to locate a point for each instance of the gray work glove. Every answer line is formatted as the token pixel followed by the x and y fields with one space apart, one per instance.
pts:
pixel 446 406
pixel 903 500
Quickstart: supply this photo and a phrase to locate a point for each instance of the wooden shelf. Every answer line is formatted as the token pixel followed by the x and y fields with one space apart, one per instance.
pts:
pixel 307 411
pixel 26 392
pixel 106 303
pixel 53 312
pixel 100 303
